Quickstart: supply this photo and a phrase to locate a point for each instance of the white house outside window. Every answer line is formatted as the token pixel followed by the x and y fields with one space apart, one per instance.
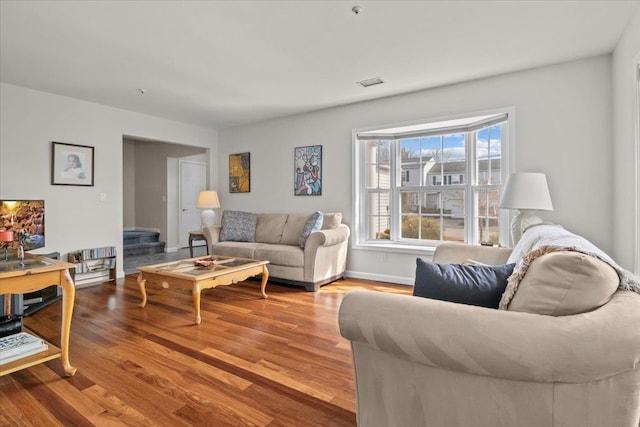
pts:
pixel 423 184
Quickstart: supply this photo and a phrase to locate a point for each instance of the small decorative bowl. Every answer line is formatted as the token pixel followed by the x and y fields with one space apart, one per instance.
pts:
pixel 204 262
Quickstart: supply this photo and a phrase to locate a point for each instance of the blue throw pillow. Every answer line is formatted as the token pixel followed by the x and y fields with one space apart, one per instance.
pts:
pixel 481 285
pixel 238 226
pixel 314 223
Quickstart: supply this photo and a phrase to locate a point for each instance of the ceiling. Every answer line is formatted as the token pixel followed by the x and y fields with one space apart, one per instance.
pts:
pixel 227 63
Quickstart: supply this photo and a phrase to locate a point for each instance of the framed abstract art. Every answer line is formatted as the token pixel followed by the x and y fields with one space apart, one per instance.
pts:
pixel 308 171
pixel 240 173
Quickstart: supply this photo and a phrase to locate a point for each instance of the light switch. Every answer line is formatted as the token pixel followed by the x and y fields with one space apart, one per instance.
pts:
pixel 103 197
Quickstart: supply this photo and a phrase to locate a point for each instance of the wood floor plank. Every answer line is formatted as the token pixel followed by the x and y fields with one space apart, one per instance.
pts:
pixel 251 362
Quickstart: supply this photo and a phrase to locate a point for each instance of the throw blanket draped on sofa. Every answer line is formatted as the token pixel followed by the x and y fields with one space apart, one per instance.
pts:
pixel 551 235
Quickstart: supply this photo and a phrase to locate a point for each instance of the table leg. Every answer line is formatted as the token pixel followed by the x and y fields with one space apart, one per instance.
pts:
pixel 68 297
pixel 263 285
pixel 143 291
pixel 7 304
pixel 190 246
pixel 196 301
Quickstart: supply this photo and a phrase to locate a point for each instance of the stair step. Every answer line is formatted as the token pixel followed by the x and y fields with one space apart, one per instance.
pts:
pixel 135 237
pixel 143 249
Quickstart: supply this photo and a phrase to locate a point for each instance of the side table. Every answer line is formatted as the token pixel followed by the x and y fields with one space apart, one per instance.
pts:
pixel 195 236
pixel 38 273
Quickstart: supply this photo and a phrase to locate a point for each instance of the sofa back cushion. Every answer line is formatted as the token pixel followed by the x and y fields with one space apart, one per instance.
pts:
pixel 238 226
pixel 561 283
pixel 293 228
pixel 331 220
pixel 269 227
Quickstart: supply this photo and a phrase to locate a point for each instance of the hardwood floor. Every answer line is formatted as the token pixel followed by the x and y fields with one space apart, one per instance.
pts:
pixel 251 362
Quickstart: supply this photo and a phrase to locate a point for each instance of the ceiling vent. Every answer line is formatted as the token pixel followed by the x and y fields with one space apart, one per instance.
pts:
pixel 371 82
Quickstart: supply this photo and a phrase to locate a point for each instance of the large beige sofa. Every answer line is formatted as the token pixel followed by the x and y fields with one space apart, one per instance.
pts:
pixel 322 260
pixel 426 362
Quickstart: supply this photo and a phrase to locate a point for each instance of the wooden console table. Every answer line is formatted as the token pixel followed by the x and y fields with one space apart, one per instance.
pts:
pixel 38 273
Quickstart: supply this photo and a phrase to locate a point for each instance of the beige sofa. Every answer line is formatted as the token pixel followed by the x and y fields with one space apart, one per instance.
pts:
pixel 322 260
pixel 425 362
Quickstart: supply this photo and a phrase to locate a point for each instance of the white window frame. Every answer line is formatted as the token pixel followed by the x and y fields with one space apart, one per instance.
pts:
pixel 409 245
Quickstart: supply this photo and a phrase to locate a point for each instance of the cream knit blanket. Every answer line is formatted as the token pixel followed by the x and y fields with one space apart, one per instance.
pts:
pixel 544 238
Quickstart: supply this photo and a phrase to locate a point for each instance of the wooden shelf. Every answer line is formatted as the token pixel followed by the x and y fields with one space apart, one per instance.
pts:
pixel 50 353
pixel 93 265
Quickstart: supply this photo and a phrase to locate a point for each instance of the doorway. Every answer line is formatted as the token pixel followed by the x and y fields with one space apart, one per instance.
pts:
pixel 193 180
pixel 151 188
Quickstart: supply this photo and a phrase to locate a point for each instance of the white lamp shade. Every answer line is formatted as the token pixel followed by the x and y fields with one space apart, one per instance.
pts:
pixel 526 191
pixel 208 200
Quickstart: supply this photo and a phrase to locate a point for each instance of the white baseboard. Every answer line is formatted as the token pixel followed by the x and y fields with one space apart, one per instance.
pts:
pixel 172 249
pixel 380 277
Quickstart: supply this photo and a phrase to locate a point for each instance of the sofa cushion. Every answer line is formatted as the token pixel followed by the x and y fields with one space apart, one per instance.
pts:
pixel 314 223
pixel 480 285
pixel 288 255
pixel 237 249
pixel 238 226
pixel 269 227
pixel 331 220
pixel 293 228
pixel 560 283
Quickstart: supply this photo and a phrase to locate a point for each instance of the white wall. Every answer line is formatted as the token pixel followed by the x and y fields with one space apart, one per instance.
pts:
pixel 75 216
pixel 563 128
pixel 626 58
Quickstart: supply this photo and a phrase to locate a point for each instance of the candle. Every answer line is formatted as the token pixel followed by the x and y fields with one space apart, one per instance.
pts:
pixel 6 236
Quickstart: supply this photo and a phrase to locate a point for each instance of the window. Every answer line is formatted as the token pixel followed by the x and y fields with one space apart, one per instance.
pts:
pixel 423 184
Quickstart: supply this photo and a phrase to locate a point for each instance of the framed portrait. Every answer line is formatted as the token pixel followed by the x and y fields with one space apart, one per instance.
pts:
pixel 71 164
pixel 308 171
pixel 240 173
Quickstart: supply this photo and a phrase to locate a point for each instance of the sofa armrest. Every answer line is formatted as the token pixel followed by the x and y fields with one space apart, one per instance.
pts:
pixel 457 253
pixel 212 234
pixel 325 254
pixel 494 343
pixel 329 237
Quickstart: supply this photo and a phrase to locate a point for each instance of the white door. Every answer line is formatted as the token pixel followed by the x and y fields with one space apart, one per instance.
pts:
pixel 193 180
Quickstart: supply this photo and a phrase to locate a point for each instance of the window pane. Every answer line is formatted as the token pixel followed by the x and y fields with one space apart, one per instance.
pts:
pixel 410 202
pixel 453 160
pixel 379 219
pixel 489 152
pixel 377 167
pixel 453 215
pixel 487 215
pixel 431 148
pixel 410 162
pixel 378 176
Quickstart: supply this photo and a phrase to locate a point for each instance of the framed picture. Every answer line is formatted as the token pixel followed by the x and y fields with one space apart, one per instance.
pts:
pixel 71 164
pixel 308 171
pixel 240 173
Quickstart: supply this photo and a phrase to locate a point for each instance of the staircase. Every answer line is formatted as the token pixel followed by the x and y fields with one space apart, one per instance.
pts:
pixel 140 242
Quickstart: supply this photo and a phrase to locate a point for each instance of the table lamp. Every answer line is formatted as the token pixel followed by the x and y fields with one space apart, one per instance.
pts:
pixel 208 200
pixel 526 192
pixel 6 237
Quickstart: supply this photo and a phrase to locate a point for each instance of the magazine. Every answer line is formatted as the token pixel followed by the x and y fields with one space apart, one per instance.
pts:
pixel 19 345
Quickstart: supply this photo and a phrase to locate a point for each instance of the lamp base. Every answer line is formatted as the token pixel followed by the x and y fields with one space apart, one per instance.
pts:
pixel 523 219
pixel 208 217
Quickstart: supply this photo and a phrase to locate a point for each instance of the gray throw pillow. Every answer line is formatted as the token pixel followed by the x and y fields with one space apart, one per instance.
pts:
pixel 314 223
pixel 480 285
pixel 238 226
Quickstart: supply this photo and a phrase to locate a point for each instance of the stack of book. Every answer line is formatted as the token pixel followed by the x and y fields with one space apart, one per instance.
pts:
pixel 17 346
